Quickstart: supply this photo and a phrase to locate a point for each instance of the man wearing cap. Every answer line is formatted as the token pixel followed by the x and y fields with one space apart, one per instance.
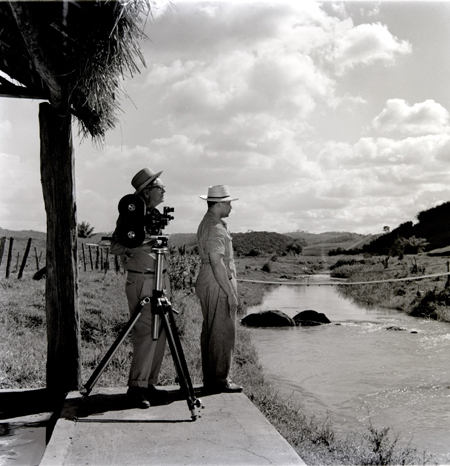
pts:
pixel 217 291
pixel 139 263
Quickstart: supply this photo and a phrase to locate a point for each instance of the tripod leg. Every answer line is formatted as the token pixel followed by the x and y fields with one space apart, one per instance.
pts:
pixel 177 341
pixel 183 374
pixel 112 350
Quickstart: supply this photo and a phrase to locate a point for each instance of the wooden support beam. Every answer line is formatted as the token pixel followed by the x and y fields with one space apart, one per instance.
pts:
pixel 58 186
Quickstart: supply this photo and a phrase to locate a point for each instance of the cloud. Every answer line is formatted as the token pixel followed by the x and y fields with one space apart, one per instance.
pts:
pixel 400 118
pixel 364 44
pixel 20 193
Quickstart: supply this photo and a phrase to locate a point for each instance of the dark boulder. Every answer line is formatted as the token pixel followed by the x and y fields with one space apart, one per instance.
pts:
pixel 268 319
pixel 309 318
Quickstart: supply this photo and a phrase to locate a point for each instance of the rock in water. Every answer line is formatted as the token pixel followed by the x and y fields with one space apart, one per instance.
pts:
pixel 268 319
pixel 308 318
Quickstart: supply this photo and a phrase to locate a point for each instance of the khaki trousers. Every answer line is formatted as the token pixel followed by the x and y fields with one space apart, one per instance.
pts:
pixel 148 354
pixel 217 340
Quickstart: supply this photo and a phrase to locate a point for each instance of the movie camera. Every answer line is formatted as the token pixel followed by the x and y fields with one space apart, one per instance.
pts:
pixel 134 222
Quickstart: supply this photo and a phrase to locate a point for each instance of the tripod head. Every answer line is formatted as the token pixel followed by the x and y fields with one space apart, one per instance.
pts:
pixel 160 242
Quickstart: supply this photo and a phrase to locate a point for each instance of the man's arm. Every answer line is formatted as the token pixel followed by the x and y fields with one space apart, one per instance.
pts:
pixel 221 275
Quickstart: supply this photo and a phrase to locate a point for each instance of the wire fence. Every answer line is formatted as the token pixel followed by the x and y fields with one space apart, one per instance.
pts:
pixel 16 260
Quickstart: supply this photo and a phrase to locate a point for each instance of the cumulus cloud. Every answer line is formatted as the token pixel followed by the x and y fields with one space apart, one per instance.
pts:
pixel 364 44
pixel 400 118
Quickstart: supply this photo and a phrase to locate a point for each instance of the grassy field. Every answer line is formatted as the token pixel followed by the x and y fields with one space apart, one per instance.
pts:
pixel 103 310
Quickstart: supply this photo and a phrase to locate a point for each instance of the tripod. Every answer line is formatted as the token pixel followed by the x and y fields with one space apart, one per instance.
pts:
pixel 162 313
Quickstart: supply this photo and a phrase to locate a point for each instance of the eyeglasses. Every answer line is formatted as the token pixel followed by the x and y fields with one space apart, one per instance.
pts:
pixel 161 188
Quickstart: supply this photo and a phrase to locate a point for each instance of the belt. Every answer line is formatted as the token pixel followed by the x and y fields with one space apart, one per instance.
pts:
pixel 148 272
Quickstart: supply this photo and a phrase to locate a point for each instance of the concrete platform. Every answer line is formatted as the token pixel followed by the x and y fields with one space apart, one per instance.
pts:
pixel 101 430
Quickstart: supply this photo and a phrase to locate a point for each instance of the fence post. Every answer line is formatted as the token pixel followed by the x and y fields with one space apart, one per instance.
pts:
pixel 37 258
pixel 2 248
pixel 96 257
pixel 84 256
pixel 116 263
pixel 8 262
pixel 24 260
pixel 106 260
pixel 447 283
pixel 90 257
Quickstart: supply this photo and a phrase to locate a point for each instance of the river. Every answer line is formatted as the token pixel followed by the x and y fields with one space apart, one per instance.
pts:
pixel 356 370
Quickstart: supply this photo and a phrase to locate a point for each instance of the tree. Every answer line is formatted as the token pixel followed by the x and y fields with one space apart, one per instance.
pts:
pixel 72 56
pixel 386 229
pixel 85 230
pixel 295 248
pixel 415 245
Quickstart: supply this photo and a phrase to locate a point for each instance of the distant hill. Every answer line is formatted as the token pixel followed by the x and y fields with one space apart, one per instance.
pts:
pixel 183 239
pixel 326 237
pixel 433 225
pixel 319 244
pixel 262 241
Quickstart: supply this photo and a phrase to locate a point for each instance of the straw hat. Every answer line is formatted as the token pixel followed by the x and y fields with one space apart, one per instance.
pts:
pixel 219 193
pixel 143 178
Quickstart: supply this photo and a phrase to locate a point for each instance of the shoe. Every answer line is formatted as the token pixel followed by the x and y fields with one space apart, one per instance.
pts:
pixel 136 397
pixel 231 387
pixel 227 387
pixel 157 396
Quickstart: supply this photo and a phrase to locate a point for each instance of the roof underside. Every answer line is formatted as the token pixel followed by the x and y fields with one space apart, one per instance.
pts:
pixel 73 54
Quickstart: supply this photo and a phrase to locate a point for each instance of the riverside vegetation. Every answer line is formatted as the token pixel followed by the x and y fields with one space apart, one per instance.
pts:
pixel 103 310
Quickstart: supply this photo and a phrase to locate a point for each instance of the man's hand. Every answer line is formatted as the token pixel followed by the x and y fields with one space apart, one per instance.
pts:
pixel 232 304
pixel 148 245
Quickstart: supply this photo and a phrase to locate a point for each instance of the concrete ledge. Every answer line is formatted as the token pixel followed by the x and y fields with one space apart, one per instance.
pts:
pixel 101 430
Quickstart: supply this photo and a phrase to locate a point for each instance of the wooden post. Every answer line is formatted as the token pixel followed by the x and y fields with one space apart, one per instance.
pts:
pixel 116 263
pixel 447 283
pixel 84 257
pixel 37 258
pixel 61 294
pixel 90 257
pixel 24 260
pixel 101 258
pixel 8 261
pixel 2 248
pixel 106 260
pixel 96 257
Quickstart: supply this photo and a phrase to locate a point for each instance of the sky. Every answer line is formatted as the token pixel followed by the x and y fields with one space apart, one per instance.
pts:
pixel 319 117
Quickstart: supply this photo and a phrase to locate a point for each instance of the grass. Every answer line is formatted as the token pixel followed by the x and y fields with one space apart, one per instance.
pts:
pixel 103 310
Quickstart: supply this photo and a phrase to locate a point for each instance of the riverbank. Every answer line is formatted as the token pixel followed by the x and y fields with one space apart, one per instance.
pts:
pixel 422 297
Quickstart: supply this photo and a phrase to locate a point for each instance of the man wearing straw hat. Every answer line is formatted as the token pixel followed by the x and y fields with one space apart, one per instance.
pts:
pixel 217 290
pixel 139 263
